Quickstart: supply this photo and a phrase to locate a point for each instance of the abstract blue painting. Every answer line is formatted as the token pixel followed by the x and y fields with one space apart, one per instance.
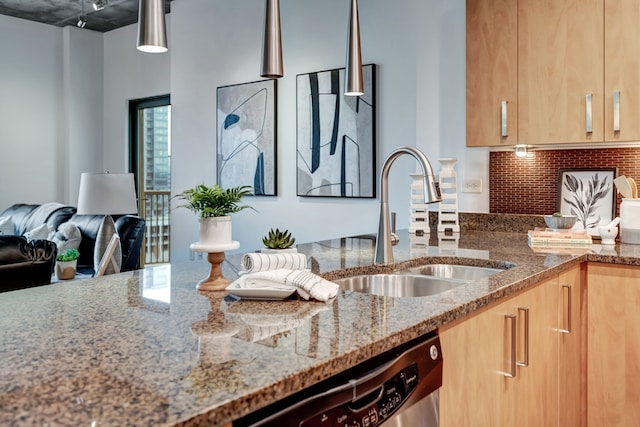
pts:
pixel 335 136
pixel 246 135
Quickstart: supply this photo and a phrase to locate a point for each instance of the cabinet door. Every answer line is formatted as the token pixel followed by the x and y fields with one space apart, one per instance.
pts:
pixel 613 345
pixel 476 389
pixel 537 393
pixel 491 73
pixel 560 57
pixel 571 298
pixel 622 70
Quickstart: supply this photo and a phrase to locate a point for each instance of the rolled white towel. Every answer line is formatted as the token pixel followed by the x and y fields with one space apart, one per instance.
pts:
pixel 254 262
pixel 304 282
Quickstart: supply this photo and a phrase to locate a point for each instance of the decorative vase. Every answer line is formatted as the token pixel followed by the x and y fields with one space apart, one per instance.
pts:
pixel 66 270
pixel 215 230
pixel 448 208
pixel 292 249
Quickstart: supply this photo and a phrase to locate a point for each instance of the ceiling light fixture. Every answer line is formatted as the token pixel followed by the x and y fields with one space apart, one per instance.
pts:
pixel 152 29
pixel 354 84
pixel 272 43
pixel 100 4
pixel 82 19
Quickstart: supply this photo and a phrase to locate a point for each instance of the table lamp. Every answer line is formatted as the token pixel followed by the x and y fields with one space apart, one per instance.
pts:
pixel 107 194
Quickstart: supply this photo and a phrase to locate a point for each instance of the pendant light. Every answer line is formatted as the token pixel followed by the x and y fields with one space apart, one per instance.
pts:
pixel 354 84
pixel 152 30
pixel 272 43
pixel 82 19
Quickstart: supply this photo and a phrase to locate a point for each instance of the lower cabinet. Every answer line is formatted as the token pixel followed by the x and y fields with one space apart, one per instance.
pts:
pixel 501 363
pixel 572 349
pixel 613 348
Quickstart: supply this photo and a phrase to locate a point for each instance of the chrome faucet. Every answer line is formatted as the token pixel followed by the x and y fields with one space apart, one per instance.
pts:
pixel 384 247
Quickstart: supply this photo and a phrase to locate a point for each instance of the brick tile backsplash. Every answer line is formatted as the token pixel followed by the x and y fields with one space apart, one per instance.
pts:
pixel 529 185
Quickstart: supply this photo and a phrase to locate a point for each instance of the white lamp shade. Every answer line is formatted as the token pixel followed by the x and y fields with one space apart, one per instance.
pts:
pixel 107 194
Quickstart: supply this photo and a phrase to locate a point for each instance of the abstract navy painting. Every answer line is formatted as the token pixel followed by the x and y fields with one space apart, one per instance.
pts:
pixel 335 135
pixel 246 134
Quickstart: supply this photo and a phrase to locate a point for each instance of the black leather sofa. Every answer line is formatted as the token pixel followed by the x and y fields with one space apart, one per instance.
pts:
pixel 15 249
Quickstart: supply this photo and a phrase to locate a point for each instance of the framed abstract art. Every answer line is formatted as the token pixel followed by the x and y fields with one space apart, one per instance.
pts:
pixel 335 136
pixel 246 136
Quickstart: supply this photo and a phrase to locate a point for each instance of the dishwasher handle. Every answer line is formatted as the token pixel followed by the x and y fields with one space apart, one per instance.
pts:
pixel 388 386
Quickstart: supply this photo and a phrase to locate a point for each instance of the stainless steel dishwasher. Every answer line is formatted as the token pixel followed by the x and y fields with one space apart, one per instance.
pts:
pixel 396 388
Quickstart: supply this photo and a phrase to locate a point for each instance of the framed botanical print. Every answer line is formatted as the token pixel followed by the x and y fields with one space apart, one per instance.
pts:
pixel 335 136
pixel 246 136
pixel 589 194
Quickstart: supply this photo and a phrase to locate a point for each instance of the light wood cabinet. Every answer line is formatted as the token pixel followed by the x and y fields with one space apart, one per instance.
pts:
pixel 560 56
pixel 622 70
pixel 571 352
pixel 577 78
pixel 483 384
pixel 492 87
pixel 613 348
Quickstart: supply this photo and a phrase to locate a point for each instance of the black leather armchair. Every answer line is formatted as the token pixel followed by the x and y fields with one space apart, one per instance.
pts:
pixel 25 264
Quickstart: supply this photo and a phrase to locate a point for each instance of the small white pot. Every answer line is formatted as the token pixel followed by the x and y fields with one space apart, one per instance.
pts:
pixel 66 270
pixel 278 251
pixel 215 230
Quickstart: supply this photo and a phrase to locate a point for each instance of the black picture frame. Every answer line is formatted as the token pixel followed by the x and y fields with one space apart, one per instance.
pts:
pixel 588 193
pixel 336 136
pixel 246 146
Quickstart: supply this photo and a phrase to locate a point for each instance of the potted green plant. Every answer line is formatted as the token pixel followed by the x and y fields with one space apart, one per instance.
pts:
pixel 278 241
pixel 66 264
pixel 214 206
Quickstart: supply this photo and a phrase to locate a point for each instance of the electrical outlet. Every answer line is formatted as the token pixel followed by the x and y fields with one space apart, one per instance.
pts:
pixel 472 186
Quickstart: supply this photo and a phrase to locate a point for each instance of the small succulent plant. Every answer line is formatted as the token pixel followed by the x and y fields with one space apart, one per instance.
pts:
pixel 278 239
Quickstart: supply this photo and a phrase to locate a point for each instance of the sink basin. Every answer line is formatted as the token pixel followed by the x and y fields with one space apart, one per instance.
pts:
pixel 452 271
pixel 398 285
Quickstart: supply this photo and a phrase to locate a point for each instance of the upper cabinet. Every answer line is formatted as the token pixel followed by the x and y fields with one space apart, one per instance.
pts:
pixel 622 70
pixel 492 67
pixel 576 77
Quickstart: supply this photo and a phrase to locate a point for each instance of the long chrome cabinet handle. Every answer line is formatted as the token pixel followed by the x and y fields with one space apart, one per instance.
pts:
pixel 511 371
pixel 525 362
pixel 589 113
pixel 503 119
pixel 616 111
pixel 567 316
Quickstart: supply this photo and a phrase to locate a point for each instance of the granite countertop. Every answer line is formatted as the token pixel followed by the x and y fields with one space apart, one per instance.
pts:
pixel 146 348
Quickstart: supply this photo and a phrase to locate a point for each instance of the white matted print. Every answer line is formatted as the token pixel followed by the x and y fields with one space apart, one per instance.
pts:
pixel 588 194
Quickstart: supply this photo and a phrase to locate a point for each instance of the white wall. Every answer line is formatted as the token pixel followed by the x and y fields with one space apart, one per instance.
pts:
pixel 30 111
pixel 418 46
pixel 419 49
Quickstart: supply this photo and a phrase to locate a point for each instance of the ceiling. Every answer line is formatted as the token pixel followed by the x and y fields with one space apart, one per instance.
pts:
pixel 117 13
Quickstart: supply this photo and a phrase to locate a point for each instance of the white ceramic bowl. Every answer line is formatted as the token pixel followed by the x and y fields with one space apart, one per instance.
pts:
pixel 608 235
pixel 563 222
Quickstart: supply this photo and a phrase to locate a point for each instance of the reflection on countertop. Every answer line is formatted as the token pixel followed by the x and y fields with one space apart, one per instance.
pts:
pixel 148 348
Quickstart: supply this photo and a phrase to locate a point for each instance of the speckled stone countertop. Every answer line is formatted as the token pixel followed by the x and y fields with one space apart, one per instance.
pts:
pixel 146 348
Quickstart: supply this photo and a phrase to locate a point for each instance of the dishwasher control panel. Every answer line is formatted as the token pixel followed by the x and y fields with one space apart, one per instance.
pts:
pixel 373 409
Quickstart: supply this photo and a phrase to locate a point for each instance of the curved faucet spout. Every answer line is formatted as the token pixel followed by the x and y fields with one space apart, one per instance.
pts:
pixel 384 248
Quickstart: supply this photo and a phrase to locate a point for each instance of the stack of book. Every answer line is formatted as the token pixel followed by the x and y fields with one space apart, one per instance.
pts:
pixel 564 241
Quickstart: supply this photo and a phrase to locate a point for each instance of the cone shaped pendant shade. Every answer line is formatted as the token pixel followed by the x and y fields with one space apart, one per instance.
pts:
pixel 354 84
pixel 152 30
pixel 272 47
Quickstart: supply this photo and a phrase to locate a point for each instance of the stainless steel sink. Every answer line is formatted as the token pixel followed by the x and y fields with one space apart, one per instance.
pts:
pixel 398 285
pixel 452 271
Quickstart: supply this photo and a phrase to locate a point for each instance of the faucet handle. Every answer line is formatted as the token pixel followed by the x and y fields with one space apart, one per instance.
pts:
pixel 394 237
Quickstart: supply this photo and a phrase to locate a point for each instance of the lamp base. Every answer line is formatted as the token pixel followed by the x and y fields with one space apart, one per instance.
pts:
pixel 216 281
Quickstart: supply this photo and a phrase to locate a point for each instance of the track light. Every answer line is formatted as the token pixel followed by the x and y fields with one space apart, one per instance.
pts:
pixel 82 19
pixel 100 4
pixel 354 84
pixel 152 30
pixel 272 43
